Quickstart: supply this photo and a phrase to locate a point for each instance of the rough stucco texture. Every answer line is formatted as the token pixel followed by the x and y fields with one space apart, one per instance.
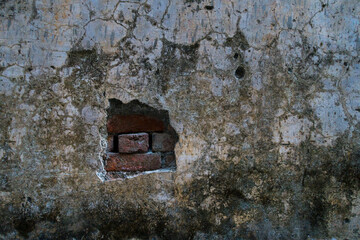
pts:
pixel 264 95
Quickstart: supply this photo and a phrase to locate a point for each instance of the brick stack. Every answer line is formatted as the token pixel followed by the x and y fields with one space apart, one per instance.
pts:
pixel 138 143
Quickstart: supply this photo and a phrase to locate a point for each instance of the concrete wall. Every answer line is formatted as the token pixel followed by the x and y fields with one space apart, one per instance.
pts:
pixel 263 94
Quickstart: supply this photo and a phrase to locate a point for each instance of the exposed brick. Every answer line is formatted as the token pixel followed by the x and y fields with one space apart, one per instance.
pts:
pixel 132 143
pixel 134 123
pixel 110 143
pixel 163 142
pixel 132 162
pixel 169 160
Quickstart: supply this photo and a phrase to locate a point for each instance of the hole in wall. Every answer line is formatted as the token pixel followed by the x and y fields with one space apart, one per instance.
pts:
pixel 140 140
pixel 240 72
pixel 209 7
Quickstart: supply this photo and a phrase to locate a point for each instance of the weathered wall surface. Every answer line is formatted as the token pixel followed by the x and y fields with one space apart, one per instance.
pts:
pixel 264 95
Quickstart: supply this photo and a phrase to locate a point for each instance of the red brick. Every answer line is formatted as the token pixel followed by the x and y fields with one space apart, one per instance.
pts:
pixel 134 123
pixel 132 143
pixel 163 142
pixel 132 162
pixel 110 143
pixel 169 160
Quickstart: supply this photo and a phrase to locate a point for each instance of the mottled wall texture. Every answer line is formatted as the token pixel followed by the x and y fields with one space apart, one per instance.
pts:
pixel 264 96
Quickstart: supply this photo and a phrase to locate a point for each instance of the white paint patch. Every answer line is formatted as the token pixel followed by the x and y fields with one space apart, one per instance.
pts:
pixel 16 136
pixel 353 105
pixel 2 153
pixel 27 107
pixel 69 149
pixel 162 197
pixel 104 33
pixel 13 72
pixel 6 86
pixel 231 129
pixel 71 110
pixel 216 87
pixel 329 111
pixel 91 115
pixel 292 130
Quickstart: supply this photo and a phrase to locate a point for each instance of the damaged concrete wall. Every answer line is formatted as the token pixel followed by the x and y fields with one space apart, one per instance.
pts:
pixel 264 96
